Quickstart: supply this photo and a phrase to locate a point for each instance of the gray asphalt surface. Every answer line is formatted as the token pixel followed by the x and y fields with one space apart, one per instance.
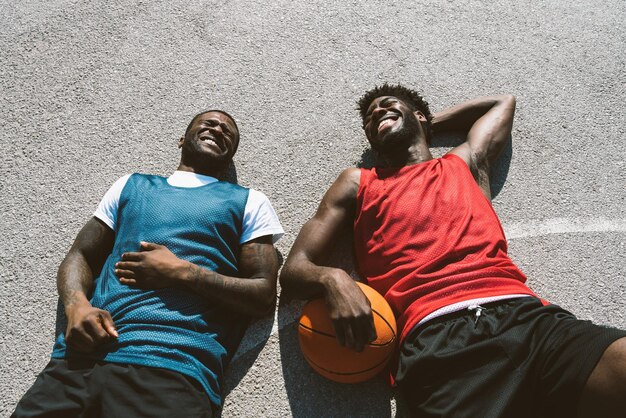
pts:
pixel 95 90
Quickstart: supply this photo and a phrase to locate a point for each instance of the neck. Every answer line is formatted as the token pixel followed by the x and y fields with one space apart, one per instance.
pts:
pixel 415 154
pixel 207 171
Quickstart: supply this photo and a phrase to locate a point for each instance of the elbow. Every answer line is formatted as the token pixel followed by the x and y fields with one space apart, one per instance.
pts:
pixel 288 274
pixel 266 306
pixel 285 277
pixel 289 289
pixel 509 99
pixel 265 303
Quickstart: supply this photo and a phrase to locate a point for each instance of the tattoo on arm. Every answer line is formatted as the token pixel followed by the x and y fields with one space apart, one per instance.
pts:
pixel 84 260
pixel 258 259
pixel 254 292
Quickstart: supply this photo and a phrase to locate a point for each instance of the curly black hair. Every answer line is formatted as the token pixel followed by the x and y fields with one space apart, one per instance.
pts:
pixel 411 97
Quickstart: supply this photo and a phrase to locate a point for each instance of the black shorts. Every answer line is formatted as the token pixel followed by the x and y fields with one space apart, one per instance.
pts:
pixel 90 389
pixel 519 358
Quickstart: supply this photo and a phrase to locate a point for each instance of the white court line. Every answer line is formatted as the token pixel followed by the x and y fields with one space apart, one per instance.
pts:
pixel 532 228
pixel 563 226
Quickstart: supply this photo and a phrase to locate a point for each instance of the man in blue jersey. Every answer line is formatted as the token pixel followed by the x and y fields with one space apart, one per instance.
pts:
pixel 158 288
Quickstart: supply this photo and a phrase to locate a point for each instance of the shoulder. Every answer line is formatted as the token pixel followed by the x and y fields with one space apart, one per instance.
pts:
pixel 463 151
pixel 117 187
pixel 234 186
pixel 351 174
pixel 349 179
pixel 256 198
pixel 227 185
pixel 232 194
pixel 472 165
pixel 343 191
pixel 467 158
pixel 141 177
pixel 260 218
pixel 229 191
pixel 134 183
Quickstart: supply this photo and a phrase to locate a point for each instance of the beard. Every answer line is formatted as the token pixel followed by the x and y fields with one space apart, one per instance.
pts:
pixel 194 155
pixel 399 138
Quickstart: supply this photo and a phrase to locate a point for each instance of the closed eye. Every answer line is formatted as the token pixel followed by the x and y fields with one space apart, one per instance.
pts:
pixel 226 129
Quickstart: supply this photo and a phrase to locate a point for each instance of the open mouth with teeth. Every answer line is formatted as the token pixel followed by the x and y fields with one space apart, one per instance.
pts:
pixel 387 121
pixel 210 140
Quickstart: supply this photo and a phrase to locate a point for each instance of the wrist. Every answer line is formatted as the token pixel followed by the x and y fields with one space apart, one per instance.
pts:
pixel 76 301
pixel 331 277
pixel 186 273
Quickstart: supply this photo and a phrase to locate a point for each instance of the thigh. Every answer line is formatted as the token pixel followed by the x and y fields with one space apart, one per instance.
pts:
pixel 130 390
pixel 460 368
pixel 58 391
pixel 549 356
pixel 605 391
pixel 571 352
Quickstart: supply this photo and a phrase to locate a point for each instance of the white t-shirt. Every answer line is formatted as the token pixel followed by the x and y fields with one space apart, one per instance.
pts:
pixel 259 218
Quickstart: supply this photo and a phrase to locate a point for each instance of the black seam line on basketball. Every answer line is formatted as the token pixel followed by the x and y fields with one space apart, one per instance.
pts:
pixel 345 373
pixel 386 322
pixel 334 336
pixel 317 332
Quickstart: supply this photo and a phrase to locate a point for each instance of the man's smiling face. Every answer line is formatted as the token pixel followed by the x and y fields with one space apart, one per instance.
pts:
pixel 212 138
pixel 390 123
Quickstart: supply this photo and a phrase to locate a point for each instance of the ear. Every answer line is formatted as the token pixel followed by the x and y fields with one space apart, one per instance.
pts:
pixel 420 116
pixel 181 141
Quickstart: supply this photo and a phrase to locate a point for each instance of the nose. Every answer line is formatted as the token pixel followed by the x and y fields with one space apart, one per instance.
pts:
pixel 378 111
pixel 213 125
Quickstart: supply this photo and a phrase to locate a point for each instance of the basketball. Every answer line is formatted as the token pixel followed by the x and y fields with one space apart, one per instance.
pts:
pixel 340 364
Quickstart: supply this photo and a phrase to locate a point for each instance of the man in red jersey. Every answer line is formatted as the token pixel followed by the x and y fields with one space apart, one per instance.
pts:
pixel 475 341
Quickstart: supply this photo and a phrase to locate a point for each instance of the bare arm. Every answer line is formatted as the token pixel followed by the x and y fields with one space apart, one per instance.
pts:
pixel 305 276
pixel 87 326
pixel 254 293
pixel 488 122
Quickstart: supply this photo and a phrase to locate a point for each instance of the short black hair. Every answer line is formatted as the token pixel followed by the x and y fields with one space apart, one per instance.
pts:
pixel 212 110
pixel 411 97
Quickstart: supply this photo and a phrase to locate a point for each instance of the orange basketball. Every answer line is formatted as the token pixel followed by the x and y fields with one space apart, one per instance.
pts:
pixel 322 351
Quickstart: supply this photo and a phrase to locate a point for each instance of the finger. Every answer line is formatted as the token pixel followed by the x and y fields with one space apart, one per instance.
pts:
pixel 125 273
pixel 366 331
pixel 149 246
pixel 128 282
pixel 360 333
pixel 371 329
pixel 80 341
pixel 339 332
pixel 108 324
pixel 132 256
pixel 349 335
pixel 128 265
pixel 94 328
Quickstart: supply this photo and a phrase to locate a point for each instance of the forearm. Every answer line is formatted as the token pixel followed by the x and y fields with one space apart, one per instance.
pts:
pixel 348 307
pixel 74 280
pixel 254 293
pixel 254 296
pixel 303 279
pixel 461 117
pixel 85 259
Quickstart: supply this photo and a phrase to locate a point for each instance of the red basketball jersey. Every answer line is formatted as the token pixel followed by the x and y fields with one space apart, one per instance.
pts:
pixel 426 237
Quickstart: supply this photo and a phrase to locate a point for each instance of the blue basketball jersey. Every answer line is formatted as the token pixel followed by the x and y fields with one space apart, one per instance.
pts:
pixel 173 328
